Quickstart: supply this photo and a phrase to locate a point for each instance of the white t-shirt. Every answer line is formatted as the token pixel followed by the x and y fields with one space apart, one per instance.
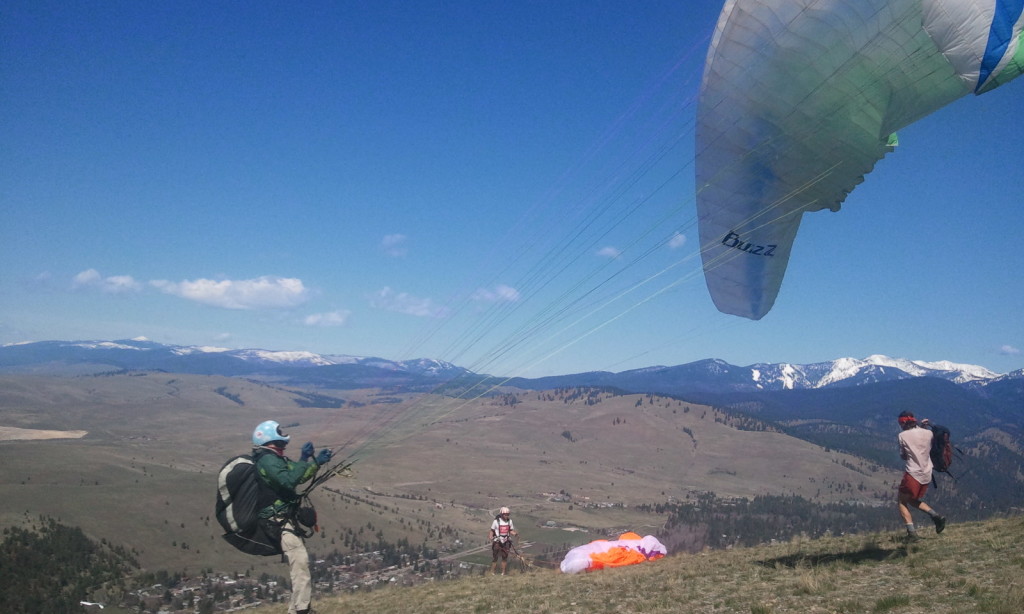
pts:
pixel 915 449
pixel 502 529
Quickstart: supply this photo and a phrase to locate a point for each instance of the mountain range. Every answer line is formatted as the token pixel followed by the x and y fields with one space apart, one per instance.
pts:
pixel 713 375
pixel 300 367
pixel 859 393
pixel 344 371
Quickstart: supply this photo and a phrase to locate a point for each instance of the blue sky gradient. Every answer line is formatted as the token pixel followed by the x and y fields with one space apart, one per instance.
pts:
pixel 507 187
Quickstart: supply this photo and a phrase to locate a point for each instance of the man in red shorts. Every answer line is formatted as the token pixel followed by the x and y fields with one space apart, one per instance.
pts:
pixel 915 450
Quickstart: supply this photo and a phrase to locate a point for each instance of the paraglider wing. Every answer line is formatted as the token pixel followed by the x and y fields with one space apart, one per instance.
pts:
pixel 629 549
pixel 800 99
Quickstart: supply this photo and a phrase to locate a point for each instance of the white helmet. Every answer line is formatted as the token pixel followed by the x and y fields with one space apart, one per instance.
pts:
pixel 268 431
pixel 504 510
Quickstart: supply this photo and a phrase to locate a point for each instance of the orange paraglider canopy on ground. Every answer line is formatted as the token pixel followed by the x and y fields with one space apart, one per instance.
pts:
pixel 629 549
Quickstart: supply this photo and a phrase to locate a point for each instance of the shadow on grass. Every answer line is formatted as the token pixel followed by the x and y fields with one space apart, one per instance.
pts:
pixel 868 554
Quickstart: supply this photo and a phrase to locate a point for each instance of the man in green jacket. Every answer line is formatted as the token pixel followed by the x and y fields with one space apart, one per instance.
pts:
pixel 283 476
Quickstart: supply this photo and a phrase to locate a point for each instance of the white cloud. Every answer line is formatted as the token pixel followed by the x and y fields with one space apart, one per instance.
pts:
pixel 394 245
pixel 86 279
pixel 401 302
pixel 1009 350
pixel 90 279
pixel 678 240
pixel 266 292
pixel 609 252
pixel 331 318
pixel 500 294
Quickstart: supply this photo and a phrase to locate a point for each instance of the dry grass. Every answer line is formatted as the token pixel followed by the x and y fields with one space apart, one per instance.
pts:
pixel 975 567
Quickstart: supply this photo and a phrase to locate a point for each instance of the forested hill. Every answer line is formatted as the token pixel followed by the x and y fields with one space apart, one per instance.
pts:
pixel 49 568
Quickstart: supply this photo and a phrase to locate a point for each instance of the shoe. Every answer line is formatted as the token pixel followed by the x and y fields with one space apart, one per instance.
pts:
pixel 912 538
pixel 940 523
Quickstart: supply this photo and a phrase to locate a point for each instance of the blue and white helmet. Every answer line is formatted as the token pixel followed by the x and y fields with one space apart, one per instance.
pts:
pixel 268 431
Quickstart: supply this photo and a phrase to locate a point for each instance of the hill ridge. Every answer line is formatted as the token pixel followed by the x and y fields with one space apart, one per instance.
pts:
pixel 972 567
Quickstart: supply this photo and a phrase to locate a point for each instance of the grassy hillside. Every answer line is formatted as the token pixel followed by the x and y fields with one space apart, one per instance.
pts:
pixel 972 567
pixel 429 469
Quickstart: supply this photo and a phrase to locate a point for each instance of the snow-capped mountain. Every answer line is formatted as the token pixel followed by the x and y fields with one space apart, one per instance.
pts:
pixel 711 375
pixel 853 371
pixel 143 354
pixel 718 376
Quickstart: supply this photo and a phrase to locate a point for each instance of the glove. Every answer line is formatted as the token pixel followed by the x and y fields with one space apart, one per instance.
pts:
pixel 307 451
pixel 324 457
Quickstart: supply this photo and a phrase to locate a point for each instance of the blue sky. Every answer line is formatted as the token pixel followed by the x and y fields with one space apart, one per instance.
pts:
pixel 508 186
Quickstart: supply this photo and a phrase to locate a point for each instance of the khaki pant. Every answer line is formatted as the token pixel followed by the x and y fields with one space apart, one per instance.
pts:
pixel 298 564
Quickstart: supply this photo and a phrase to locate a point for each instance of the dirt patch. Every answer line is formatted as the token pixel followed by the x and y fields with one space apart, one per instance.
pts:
pixel 10 433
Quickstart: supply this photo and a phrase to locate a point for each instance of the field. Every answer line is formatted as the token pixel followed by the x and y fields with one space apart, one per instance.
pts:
pixel 573 466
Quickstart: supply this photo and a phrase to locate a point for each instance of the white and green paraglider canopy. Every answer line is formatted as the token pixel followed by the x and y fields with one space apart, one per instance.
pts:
pixel 800 99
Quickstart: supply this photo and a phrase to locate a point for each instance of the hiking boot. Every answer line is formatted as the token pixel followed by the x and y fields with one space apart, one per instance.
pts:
pixel 912 538
pixel 940 523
